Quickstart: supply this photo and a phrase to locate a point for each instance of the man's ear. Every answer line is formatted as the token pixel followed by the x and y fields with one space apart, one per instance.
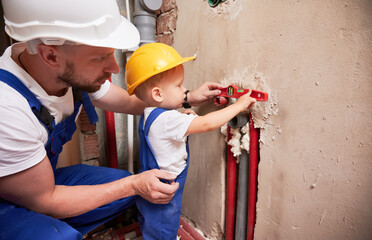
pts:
pixel 157 94
pixel 50 55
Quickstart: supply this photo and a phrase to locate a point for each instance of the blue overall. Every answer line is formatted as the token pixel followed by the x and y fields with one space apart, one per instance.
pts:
pixel 158 221
pixel 18 223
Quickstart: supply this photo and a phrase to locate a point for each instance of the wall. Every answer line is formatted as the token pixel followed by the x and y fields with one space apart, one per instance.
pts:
pixel 315 58
pixel 71 152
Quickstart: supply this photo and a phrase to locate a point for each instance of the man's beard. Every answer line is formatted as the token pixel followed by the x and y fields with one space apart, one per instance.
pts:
pixel 69 77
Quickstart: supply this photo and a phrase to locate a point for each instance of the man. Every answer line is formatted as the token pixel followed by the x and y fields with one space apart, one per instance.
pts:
pixel 66 46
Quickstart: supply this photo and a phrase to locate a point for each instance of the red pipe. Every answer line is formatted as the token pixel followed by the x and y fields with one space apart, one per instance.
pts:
pixel 111 139
pixel 188 232
pixel 230 191
pixel 252 177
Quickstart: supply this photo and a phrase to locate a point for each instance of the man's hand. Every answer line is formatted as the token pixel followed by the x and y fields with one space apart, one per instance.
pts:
pixel 204 94
pixel 149 186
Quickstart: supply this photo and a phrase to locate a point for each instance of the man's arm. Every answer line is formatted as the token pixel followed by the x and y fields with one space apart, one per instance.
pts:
pixel 118 100
pixel 216 119
pixel 35 189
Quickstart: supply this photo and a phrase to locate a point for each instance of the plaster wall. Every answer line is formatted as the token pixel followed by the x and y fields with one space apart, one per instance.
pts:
pixel 315 58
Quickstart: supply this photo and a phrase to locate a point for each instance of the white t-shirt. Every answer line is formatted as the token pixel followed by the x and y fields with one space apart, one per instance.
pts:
pixel 22 136
pixel 168 140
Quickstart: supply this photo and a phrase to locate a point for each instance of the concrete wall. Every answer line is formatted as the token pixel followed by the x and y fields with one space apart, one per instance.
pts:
pixel 315 59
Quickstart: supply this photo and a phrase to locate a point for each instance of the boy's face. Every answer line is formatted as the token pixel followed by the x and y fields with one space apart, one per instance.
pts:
pixel 172 88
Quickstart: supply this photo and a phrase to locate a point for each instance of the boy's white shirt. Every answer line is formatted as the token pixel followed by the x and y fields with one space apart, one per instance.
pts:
pixel 22 136
pixel 168 140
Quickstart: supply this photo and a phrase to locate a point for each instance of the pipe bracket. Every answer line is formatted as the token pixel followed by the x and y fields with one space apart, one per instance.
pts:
pixel 214 3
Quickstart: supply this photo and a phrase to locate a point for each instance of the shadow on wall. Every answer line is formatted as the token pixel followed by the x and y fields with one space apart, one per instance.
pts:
pixel 4 39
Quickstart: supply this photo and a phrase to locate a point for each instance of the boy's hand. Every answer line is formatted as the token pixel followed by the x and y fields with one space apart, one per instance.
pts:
pixel 246 101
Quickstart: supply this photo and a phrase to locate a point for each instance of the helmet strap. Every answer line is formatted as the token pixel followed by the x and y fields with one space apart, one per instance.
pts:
pixel 32 45
pixel 19 60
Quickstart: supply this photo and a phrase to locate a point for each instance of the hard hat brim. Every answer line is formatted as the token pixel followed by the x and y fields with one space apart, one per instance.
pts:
pixel 167 67
pixel 125 36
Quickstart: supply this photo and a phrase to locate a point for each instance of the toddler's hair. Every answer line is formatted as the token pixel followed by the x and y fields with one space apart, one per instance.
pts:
pixel 143 90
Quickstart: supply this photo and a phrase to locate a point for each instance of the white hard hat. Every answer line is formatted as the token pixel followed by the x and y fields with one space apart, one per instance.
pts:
pixel 90 22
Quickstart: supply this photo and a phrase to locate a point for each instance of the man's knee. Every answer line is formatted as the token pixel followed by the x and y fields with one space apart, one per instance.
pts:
pixel 54 230
pixel 88 175
pixel 23 225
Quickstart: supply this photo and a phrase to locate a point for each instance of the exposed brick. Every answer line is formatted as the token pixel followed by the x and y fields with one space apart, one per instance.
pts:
pixel 92 162
pixel 165 38
pixel 168 5
pixel 85 126
pixel 90 147
pixel 166 22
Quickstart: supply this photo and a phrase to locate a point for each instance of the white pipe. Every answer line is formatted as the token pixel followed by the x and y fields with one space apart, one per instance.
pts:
pixel 130 142
pixel 127 9
pixel 130 117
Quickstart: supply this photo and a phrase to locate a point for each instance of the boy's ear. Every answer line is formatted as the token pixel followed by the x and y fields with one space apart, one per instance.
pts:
pixel 157 94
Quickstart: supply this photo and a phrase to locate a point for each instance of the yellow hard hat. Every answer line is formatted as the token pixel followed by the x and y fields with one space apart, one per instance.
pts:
pixel 149 60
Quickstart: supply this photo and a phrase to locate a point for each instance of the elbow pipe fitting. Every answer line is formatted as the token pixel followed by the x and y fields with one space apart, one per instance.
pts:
pixel 144 18
pixel 239 120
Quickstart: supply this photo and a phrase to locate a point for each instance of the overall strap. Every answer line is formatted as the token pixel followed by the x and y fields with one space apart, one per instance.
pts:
pixel 89 108
pixel 39 110
pixel 147 158
pixel 151 118
pixel 81 96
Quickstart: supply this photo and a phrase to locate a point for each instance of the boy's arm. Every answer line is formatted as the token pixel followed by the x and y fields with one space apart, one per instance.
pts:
pixel 218 118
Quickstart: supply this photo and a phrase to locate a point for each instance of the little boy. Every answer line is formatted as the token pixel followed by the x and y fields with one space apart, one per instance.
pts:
pixel 155 74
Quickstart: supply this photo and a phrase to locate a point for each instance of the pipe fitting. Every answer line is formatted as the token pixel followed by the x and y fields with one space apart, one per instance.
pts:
pixel 214 3
pixel 239 120
pixel 151 5
pixel 144 18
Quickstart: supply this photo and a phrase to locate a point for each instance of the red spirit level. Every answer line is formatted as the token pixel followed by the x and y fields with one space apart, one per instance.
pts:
pixel 233 91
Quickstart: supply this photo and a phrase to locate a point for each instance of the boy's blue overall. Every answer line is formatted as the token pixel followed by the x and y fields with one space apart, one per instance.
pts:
pixel 18 223
pixel 158 221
